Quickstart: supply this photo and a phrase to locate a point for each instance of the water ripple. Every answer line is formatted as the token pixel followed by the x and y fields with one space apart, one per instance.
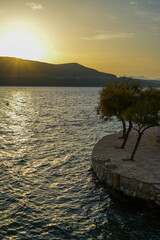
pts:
pixel 47 190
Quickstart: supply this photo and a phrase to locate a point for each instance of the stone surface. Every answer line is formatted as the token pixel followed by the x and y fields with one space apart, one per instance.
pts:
pixel 110 165
pixel 139 178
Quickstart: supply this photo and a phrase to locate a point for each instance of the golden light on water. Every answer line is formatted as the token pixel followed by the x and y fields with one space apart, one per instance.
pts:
pixel 22 44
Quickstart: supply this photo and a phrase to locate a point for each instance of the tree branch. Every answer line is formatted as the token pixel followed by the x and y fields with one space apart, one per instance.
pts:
pixel 147 128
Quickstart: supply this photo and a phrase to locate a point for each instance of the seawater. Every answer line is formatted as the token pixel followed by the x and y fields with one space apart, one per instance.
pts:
pixel 47 190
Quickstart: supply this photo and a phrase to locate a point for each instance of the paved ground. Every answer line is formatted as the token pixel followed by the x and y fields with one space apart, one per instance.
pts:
pixel 146 166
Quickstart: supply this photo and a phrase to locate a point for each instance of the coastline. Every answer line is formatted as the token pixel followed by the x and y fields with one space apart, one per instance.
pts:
pixel 138 179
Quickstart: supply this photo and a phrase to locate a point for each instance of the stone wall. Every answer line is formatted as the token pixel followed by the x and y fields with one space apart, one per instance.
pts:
pixel 108 173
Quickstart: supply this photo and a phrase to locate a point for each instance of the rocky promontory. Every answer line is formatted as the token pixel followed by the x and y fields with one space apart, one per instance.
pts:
pixel 139 178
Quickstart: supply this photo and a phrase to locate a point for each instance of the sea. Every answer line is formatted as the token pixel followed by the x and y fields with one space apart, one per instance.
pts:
pixel 47 188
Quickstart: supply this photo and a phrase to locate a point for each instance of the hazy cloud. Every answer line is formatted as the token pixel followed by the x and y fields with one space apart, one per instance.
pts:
pixel 133 3
pixel 34 6
pixel 108 36
pixel 152 16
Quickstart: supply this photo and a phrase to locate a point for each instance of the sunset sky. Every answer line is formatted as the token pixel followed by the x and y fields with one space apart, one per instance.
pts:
pixel 115 36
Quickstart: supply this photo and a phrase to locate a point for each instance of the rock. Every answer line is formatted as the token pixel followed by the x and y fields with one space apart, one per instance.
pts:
pixel 116 181
pixel 140 186
pixel 146 188
pixel 157 186
pixel 143 195
pixel 134 194
pixel 110 165
pixel 103 160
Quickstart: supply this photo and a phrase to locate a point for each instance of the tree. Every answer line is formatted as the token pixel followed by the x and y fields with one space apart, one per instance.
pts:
pixel 135 89
pixel 109 105
pixel 115 99
pixel 144 113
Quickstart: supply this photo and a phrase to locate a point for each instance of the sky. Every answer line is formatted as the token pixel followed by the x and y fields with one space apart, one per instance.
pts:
pixel 121 37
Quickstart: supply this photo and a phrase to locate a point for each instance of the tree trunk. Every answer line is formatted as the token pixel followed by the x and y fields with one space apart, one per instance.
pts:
pixel 136 146
pixel 127 134
pixel 124 128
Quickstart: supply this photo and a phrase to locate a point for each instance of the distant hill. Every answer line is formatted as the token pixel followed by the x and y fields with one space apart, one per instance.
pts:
pixel 15 71
pixel 147 82
pixel 20 72
pixel 146 78
pixel 141 78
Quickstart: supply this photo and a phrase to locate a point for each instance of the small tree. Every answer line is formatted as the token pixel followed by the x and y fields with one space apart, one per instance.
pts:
pixel 135 89
pixel 109 104
pixel 115 99
pixel 144 113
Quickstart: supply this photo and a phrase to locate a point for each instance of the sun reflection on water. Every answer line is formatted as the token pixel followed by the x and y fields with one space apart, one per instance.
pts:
pixel 47 190
pixel 17 111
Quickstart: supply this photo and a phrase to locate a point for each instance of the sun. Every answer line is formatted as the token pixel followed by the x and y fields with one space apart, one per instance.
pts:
pixel 21 44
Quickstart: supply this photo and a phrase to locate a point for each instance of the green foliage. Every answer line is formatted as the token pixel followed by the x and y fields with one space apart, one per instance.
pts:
pixel 129 102
pixel 116 98
pixel 144 111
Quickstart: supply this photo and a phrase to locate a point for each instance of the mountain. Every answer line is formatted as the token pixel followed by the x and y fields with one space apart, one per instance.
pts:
pixel 141 78
pixel 15 71
pixel 145 82
pixel 146 78
pixel 20 72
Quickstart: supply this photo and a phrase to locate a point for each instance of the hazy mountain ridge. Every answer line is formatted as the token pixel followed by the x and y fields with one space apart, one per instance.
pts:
pixel 20 72
pixel 146 78
pixel 18 66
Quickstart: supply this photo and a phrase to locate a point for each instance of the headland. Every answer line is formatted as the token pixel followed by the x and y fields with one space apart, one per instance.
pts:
pixel 138 179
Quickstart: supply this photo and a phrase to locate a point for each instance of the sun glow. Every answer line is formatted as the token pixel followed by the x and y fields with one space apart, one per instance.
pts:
pixel 22 44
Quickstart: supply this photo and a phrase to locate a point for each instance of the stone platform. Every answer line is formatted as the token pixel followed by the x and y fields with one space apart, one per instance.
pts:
pixel 139 178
